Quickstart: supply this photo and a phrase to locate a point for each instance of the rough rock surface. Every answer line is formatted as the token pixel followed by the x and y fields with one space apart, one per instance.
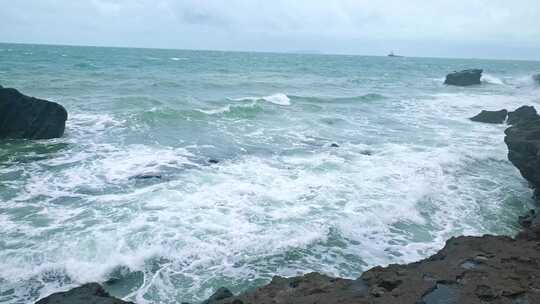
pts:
pixel 523 141
pixel 464 78
pixel 523 113
pixel 22 116
pixel 87 294
pixel 492 269
pixel 494 117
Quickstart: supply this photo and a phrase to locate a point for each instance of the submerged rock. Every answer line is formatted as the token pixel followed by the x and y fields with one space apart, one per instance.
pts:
pixel 27 117
pixel 464 78
pixel 494 117
pixel 220 294
pixel 536 78
pixel 147 176
pixel 86 294
pixel 523 113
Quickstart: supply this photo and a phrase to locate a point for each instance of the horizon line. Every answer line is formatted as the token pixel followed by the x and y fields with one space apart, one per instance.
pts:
pixel 289 52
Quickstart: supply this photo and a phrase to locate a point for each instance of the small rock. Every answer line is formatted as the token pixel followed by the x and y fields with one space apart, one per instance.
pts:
pixel 334 145
pixel 494 117
pixel 220 294
pixel 147 176
pixel 213 161
pixel 464 78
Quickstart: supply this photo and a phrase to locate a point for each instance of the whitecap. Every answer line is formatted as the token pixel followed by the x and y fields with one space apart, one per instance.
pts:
pixel 488 78
pixel 178 58
pixel 221 110
pixel 278 99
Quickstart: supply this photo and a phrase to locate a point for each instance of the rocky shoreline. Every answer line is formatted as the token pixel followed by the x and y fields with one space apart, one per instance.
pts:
pixel 486 269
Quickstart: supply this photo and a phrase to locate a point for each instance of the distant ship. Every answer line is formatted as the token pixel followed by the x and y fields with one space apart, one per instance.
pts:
pixel 393 55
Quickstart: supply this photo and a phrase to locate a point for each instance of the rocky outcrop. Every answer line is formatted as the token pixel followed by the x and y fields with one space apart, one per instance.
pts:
pixel 522 114
pixel 523 141
pixel 494 117
pixel 493 269
pixel 464 78
pixel 22 116
pixel 87 294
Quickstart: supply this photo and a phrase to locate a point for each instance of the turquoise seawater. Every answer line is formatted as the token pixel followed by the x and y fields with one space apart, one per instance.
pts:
pixel 410 171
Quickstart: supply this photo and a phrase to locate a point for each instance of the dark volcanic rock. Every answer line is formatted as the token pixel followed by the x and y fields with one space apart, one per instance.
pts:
pixel 310 288
pixel 523 141
pixel 466 270
pixel 494 117
pixel 464 78
pixel 27 117
pixel 523 113
pixel 87 294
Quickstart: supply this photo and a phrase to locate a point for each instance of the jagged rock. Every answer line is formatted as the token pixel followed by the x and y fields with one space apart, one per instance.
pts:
pixel 220 294
pixel 464 78
pixel 523 113
pixel 466 270
pixel 91 293
pixel 28 117
pixel 310 288
pixel 523 141
pixel 494 117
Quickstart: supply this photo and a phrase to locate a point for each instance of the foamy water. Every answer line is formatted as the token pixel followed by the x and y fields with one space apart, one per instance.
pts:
pixel 410 171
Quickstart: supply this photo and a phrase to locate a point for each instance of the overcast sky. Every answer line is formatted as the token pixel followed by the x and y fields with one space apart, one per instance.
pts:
pixel 441 28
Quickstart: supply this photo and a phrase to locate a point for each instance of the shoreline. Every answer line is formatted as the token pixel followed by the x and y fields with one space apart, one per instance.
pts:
pixel 494 269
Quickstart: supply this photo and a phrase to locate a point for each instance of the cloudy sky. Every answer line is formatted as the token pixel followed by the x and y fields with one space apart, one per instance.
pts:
pixel 441 28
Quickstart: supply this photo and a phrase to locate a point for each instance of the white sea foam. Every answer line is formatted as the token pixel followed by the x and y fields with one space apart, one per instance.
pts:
pixel 221 110
pixel 278 99
pixel 178 58
pixel 488 78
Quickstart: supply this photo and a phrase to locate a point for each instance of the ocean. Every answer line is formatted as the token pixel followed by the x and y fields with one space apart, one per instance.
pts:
pixel 254 165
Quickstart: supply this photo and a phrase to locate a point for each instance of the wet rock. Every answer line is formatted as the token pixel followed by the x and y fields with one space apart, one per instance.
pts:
pixel 310 288
pixel 147 176
pixel 523 141
pixel 464 78
pixel 334 145
pixel 522 114
pixel 213 161
pixel 531 226
pixel 220 294
pixel 91 293
pixel 366 152
pixel 494 117
pixel 27 117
